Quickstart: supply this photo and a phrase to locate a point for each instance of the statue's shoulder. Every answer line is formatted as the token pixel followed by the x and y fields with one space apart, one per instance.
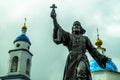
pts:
pixel 68 33
pixel 86 37
pixel 71 35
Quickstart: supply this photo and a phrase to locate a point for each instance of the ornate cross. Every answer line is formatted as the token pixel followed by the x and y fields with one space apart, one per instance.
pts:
pixel 53 7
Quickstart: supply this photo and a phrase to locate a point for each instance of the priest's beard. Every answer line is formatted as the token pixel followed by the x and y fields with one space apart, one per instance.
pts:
pixel 77 32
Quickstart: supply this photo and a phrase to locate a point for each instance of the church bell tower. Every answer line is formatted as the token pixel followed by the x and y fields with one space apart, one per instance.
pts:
pixel 20 58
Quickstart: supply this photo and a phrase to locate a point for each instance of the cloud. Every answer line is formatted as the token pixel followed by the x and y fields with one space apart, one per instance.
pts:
pixel 113 31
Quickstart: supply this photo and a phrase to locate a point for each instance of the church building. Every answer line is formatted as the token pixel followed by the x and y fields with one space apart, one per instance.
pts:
pixel 19 58
pixel 110 72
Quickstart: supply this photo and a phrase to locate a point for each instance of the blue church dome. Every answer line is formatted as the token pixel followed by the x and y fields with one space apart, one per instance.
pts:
pixel 109 66
pixel 22 38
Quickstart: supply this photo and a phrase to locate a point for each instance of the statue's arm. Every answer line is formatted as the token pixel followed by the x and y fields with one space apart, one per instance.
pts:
pixel 53 16
pixel 59 35
pixel 56 27
pixel 101 59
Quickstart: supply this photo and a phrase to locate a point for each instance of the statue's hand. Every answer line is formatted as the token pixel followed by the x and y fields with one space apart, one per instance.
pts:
pixel 53 14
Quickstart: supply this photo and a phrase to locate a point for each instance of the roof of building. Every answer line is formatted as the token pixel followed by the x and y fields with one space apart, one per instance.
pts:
pixel 109 66
pixel 22 37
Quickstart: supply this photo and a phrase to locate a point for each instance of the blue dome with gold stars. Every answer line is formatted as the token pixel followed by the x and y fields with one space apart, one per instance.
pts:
pixel 22 37
pixel 109 66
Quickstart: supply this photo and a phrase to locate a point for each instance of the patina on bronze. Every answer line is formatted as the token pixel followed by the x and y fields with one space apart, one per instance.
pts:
pixel 77 64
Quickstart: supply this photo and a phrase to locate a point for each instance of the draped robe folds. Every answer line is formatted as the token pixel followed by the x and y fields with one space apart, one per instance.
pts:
pixel 77 54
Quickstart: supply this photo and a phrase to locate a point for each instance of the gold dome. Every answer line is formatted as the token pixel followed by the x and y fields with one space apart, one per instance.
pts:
pixel 24 27
pixel 98 43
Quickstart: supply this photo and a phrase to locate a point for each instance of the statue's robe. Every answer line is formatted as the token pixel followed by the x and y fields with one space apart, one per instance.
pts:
pixel 77 47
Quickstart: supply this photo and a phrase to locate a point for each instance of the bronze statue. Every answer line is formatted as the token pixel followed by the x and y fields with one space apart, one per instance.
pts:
pixel 77 64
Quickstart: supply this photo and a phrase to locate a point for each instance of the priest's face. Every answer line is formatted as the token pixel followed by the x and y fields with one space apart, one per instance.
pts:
pixel 76 28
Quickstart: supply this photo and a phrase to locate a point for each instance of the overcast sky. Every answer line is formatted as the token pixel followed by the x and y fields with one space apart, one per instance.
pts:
pixel 49 59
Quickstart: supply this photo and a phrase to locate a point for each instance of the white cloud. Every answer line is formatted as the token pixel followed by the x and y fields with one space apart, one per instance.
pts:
pixel 113 31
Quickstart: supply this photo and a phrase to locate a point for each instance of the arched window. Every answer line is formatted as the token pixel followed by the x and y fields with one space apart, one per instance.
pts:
pixel 14 64
pixel 28 67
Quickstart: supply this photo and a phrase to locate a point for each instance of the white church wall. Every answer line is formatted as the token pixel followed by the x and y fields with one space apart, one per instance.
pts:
pixel 105 75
